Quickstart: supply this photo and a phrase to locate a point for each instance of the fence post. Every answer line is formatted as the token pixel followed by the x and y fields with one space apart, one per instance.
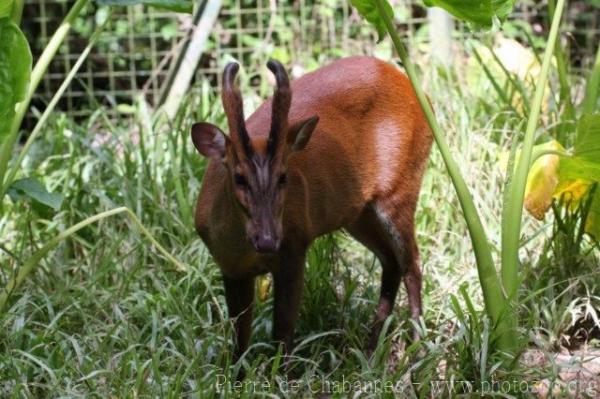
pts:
pixel 182 76
pixel 441 26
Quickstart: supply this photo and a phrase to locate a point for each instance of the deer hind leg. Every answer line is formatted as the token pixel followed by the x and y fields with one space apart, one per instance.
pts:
pixel 398 219
pixel 369 230
pixel 388 231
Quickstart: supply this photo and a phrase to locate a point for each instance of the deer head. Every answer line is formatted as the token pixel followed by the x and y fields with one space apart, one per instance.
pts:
pixel 258 177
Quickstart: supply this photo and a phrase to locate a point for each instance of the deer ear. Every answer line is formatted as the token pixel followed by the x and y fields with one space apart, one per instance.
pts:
pixel 209 140
pixel 299 133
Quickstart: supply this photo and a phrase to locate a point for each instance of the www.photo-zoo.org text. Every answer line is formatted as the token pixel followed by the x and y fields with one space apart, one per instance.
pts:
pixel 351 386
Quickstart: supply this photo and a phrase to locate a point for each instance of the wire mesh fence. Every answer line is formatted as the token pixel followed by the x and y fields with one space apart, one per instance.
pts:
pixel 139 46
pixel 125 61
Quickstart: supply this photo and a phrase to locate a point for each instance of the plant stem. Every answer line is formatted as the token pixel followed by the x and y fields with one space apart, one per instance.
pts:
pixel 36 76
pixel 488 277
pixel 565 85
pixel 17 11
pixel 32 262
pixel 592 87
pixel 512 214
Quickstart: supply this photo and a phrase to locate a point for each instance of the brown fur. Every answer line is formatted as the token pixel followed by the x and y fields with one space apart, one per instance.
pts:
pixel 361 170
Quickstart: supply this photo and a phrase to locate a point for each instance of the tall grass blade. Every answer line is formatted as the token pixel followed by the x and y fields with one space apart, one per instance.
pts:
pixel 515 82
pixel 504 96
pixel 32 262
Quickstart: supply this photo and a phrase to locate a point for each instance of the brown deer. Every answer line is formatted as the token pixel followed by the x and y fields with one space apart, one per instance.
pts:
pixel 347 150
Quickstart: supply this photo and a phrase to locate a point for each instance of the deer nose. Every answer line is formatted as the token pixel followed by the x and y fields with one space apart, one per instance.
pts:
pixel 266 242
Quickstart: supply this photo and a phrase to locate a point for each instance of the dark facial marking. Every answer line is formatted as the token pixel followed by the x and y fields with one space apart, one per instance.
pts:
pixel 263 173
pixel 258 186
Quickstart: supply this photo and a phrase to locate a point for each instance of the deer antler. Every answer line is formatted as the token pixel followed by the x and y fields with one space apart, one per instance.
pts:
pixel 234 109
pixel 282 100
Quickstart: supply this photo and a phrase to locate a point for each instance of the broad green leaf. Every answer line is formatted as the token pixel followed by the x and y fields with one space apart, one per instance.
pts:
pixel 15 71
pixel 5 8
pixel 577 173
pixel 368 10
pixel 31 188
pixel 173 5
pixel 579 168
pixel 592 224
pixel 592 86
pixel 481 13
pixel 587 142
pixel 570 178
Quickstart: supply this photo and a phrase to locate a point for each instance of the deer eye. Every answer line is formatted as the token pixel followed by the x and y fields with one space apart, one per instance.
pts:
pixel 282 179
pixel 240 180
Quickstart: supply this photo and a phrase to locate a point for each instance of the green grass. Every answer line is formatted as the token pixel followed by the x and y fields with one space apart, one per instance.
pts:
pixel 106 315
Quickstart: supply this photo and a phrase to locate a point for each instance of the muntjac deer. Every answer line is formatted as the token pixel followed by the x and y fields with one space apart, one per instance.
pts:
pixel 342 147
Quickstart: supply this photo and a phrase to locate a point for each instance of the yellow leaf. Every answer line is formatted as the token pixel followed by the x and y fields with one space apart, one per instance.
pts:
pixel 571 191
pixel 264 284
pixel 542 180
